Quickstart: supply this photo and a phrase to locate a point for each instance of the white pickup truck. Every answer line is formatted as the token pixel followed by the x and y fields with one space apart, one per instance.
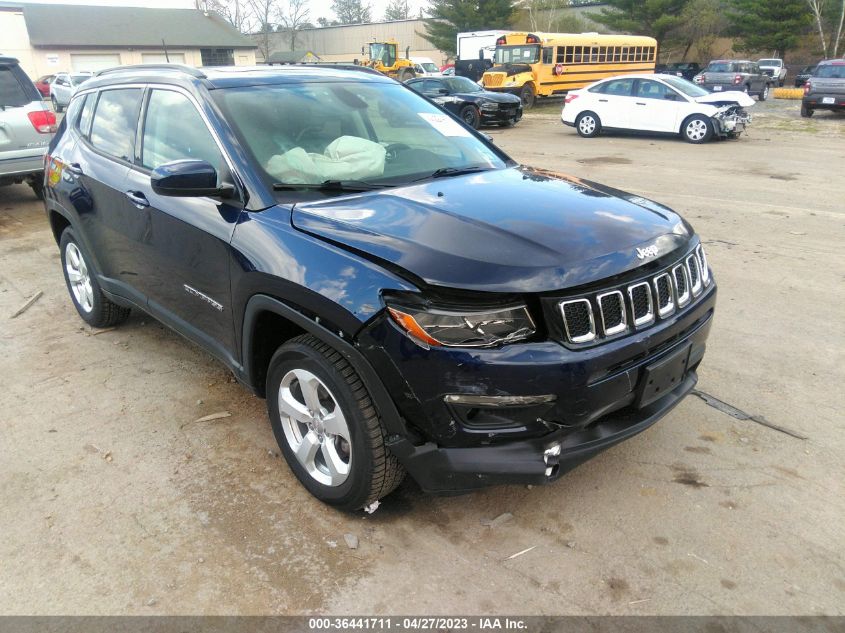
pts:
pixel 774 68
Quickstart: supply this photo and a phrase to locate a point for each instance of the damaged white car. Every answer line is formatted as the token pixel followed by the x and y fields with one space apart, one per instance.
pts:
pixel 656 103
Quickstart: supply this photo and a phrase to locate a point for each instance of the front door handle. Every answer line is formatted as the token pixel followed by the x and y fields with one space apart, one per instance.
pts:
pixel 74 168
pixel 138 199
pixel 602 100
pixel 640 103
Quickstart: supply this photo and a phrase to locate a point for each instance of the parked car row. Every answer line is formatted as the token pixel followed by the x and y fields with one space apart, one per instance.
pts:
pixel 825 88
pixel 723 75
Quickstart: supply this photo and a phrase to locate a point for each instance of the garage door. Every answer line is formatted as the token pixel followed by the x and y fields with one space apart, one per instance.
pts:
pixel 159 58
pixel 81 61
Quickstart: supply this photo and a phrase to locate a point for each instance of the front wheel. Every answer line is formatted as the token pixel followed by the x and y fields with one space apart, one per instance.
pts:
pixel 588 124
pixel 697 129
pixel 528 96
pixel 56 107
pixel 470 116
pixel 327 426
pixel 405 74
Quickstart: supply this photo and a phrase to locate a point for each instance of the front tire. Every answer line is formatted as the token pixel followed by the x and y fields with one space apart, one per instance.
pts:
pixel 588 124
pixel 56 107
pixel 328 427
pixel 528 96
pixel 806 112
pixel 470 115
pixel 88 299
pixel 697 129
pixel 405 74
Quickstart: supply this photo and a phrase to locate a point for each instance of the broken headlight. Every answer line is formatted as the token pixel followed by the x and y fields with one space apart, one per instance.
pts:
pixel 464 328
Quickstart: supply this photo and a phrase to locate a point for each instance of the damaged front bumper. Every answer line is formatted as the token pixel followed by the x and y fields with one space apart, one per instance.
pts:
pixel 730 121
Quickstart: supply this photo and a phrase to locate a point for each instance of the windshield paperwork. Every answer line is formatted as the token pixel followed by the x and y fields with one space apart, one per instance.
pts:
pixel 517 54
pixel 338 136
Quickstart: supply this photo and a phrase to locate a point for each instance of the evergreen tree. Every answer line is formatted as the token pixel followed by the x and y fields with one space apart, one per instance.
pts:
pixel 657 18
pixel 768 26
pixel 447 18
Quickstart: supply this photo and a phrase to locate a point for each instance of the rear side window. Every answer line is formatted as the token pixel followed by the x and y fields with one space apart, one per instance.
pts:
pixel 174 130
pixel 85 114
pixel 618 87
pixel 115 121
pixel 12 93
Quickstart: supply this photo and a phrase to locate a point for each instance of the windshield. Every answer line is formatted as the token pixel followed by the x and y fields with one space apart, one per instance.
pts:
pixel 720 67
pixel 830 71
pixel 769 62
pixel 517 54
pixel 375 133
pixel 385 53
pixel 462 84
pixel 430 67
pixel 78 79
pixel 686 87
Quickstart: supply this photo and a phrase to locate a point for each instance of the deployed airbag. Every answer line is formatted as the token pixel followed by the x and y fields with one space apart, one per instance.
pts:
pixel 345 158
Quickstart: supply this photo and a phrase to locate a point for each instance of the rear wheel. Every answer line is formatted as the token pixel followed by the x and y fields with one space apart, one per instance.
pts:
pixel 806 112
pixel 88 299
pixel 588 124
pixel 405 74
pixel 697 129
pixel 764 93
pixel 56 107
pixel 327 425
pixel 470 116
pixel 528 96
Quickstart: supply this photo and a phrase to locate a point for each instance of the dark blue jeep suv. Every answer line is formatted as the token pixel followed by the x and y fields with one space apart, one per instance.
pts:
pixel 405 296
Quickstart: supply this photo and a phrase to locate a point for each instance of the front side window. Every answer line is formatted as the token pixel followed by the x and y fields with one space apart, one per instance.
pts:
pixel 382 134
pixel 648 89
pixel 115 120
pixel 174 130
pixel 517 54
pixel 463 85
pixel 430 87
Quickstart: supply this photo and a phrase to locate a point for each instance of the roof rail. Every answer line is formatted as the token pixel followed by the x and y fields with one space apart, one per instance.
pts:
pixel 340 65
pixel 188 70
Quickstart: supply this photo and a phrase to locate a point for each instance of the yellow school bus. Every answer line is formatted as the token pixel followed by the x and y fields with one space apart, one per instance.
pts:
pixel 543 64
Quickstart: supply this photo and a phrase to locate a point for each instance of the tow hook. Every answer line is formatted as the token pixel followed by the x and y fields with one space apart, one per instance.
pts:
pixel 551 457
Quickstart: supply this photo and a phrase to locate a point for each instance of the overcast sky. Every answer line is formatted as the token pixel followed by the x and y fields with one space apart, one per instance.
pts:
pixel 319 8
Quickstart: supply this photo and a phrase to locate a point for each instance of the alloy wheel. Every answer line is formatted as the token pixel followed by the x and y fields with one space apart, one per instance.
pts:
pixel 79 277
pixel 315 427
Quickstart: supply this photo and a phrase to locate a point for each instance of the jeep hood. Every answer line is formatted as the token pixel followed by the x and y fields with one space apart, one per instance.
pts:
pixel 510 230
pixel 729 96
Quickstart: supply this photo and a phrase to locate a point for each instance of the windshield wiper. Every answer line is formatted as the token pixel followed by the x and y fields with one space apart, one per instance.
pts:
pixel 331 185
pixel 445 172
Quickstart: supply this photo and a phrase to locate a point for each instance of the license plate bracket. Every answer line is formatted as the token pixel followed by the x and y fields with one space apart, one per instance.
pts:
pixel 662 376
pixel 717 88
pixel 828 100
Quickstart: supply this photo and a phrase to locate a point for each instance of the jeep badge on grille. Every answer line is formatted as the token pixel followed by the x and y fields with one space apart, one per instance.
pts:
pixel 648 251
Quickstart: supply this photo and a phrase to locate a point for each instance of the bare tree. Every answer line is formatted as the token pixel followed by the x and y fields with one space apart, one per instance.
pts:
pixel 838 39
pixel 817 8
pixel 265 13
pixel 397 10
pixel 293 19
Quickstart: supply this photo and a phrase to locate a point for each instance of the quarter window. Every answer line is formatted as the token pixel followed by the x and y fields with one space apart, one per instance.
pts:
pixel 84 122
pixel 174 130
pixel 115 121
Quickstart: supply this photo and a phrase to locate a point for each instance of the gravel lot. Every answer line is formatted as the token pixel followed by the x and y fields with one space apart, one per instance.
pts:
pixel 114 500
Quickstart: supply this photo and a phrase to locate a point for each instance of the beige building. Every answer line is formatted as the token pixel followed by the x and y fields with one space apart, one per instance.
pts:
pixel 49 38
pixel 343 43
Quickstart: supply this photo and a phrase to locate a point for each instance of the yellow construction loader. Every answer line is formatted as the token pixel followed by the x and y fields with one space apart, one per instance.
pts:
pixel 384 57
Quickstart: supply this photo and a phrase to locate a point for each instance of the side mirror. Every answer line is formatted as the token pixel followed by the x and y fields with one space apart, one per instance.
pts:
pixel 188 178
pixel 487 136
pixel 443 91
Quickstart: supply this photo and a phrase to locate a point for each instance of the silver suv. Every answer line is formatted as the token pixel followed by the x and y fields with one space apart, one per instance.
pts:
pixel 63 87
pixel 26 127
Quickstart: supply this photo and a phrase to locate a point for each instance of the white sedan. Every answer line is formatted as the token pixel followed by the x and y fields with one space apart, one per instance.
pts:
pixel 656 103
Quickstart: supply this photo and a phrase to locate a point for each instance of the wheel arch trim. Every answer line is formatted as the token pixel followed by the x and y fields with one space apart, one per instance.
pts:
pixel 260 303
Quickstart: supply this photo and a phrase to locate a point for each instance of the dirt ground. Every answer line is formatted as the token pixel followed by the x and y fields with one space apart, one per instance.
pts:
pixel 115 500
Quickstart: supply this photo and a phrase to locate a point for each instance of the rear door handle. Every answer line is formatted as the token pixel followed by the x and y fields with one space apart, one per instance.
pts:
pixel 602 100
pixel 138 199
pixel 74 168
pixel 640 103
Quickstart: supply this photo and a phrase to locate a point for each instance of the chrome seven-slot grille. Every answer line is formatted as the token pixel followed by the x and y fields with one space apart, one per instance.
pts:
pixel 637 305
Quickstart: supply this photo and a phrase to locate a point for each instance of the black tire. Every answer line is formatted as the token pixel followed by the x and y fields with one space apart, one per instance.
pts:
pixel 764 93
pixel 697 129
pixel 471 116
pixel 806 112
pixel 37 184
pixel 780 83
pixel 374 471
pixel 588 124
pixel 56 107
pixel 406 73
pixel 528 96
pixel 103 312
